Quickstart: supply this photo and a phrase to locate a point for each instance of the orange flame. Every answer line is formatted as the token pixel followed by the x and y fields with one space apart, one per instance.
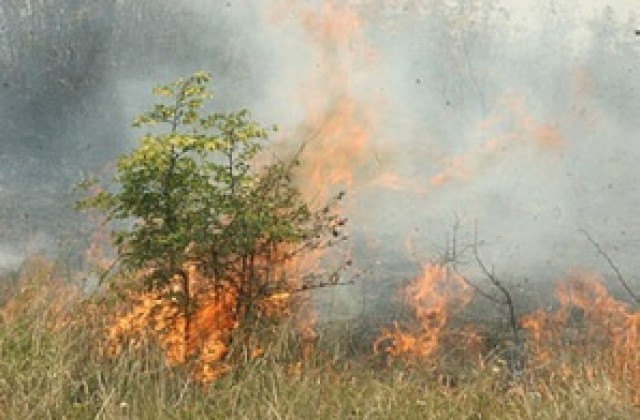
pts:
pixel 338 126
pixel 526 131
pixel 42 292
pixel 338 123
pixel 589 325
pixel 432 295
pixel 202 342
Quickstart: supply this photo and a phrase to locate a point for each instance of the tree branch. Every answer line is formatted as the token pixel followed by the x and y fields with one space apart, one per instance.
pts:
pixel 612 264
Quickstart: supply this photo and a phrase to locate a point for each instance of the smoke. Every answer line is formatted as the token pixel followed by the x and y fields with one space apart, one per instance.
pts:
pixel 521 116
pixel 73 75
pixel 517 116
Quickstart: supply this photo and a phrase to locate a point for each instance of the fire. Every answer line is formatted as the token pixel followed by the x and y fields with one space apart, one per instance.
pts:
pixel 511 127
pixel 157 317
pixel 201 341
pixel 588 318
pixel 432 296
pixel 339 122
pixel 457 167
pixel 591 327
pixel 41 292
pixel 339 114
pixel 591 334
pixel 395 182
pixel 626 354
pixel 338 125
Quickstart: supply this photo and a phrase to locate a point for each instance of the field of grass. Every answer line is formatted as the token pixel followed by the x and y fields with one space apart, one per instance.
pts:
pixel 51 366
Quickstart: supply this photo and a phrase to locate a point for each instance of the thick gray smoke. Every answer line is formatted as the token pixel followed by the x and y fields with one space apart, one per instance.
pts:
pixel 520 115
pixel 73 74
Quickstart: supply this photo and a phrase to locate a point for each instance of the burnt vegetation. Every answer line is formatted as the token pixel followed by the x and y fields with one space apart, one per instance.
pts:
pixel 207 299
pixel 209 254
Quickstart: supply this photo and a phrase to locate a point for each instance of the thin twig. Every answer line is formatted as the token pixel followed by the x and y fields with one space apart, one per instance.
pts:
pixel 612 264
pixel 451 257
pixel 477 288
pixel 508 302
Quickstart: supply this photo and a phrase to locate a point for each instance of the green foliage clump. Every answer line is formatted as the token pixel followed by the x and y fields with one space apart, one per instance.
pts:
pixel 194 192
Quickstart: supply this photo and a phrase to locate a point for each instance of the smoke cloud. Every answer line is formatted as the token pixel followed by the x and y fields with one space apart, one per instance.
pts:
pixel 521 116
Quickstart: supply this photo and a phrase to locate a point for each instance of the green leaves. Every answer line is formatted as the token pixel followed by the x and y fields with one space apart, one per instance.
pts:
pixel 191 192
pixel 163 91
pixel 103 200
pixel 185 97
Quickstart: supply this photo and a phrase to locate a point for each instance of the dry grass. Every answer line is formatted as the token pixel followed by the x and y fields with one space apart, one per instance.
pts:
pixel 55 370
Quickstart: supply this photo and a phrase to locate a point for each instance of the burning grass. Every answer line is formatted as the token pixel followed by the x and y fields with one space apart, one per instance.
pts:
pixel 589 324
pixel 52 364
pixel 433 297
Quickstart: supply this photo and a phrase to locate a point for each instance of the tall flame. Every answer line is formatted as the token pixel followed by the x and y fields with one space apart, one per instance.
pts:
pixel 338 122
pixel 337 126
pixel 432 297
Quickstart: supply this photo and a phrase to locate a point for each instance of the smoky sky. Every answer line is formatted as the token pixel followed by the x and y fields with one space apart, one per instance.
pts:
pixel 73 74
pixel 521 117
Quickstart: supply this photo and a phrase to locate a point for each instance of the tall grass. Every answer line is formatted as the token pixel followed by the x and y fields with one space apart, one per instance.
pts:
pixel 51 367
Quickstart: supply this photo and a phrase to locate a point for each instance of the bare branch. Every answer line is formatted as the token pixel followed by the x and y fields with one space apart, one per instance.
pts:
pixel 477 288
pixel 452 256
pixel 612 264
pixel 517 359
pixel 489 274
